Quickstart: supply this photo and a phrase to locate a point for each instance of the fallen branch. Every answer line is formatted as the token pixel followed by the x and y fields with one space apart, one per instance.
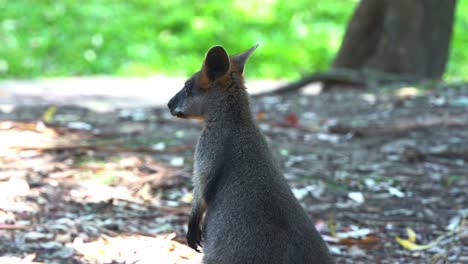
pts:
pixel 105 148
pixel 462 154
pixel 343 76
pixel 179 210
pixel 401 126
pixel 415 155
pixel 163 179
pixel 13 227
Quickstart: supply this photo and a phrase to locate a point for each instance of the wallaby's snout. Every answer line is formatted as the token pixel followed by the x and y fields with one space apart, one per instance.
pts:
pixel 175 105
pixel 190 101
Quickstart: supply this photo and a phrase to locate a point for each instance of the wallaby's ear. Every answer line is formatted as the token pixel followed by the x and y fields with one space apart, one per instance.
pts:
pixel 216 63
pixel 241 59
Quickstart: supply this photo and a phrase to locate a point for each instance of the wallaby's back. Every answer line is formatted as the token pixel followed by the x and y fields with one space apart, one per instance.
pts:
pixel 253 216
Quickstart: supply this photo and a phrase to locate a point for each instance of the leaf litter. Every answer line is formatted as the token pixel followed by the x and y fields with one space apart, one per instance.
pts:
pixel 384 176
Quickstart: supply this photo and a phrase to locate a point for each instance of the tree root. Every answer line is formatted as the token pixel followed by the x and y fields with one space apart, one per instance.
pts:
pixel 359 79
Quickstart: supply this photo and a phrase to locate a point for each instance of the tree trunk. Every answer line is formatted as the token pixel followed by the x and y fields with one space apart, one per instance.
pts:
pixel 409 37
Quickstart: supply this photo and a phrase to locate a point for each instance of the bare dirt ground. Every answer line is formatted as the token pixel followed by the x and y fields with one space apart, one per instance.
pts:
pixel 384 175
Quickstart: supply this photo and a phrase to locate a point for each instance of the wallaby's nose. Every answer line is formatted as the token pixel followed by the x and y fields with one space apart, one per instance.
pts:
pixel 174 108
pixel 172 105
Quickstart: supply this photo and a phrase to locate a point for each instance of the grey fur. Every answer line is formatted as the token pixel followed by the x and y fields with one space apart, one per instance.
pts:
pixel 243 208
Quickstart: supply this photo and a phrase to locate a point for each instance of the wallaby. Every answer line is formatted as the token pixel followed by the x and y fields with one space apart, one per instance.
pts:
pixel 243 209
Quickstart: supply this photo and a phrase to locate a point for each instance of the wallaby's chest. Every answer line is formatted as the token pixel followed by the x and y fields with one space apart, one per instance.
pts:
pixel 208 155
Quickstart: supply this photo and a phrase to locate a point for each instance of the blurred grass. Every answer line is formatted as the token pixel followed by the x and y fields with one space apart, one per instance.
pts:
pixel 143 37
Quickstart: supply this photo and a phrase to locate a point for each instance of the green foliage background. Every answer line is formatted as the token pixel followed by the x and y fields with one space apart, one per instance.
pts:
pixel 143 37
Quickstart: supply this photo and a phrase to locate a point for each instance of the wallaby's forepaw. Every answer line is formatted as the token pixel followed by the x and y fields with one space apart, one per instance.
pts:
pixel 194 236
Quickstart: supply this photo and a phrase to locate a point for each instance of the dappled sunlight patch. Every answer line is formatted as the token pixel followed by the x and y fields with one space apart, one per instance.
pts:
pixel 29 259
pixel 14 134
pixel 13 199
pixel 29 139
pixel 136 248
pixel 312 89
pixel 95 192
pixel 408 92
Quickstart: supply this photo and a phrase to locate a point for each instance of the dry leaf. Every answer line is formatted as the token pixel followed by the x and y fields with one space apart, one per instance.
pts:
pixel 410 242
pixel 368 240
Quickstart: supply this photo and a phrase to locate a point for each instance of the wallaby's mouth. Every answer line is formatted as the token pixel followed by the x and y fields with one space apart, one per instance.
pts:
pixel 177 113
pixel 180 115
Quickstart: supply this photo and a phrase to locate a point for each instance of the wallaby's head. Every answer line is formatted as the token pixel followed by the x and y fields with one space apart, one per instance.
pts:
pixel 219 73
